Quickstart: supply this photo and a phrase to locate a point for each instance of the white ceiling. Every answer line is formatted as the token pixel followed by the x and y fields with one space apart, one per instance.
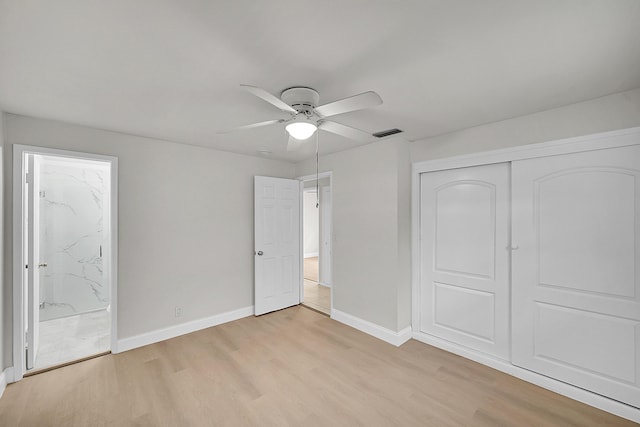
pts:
pixel 172 69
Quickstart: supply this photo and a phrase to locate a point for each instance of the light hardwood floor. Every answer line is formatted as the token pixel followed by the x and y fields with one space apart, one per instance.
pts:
pixel 316 296
pixel 294 367
pixel 311 268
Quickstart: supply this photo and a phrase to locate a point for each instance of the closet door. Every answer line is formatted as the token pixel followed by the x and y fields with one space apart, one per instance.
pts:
pixel 576 287
pixel 464 276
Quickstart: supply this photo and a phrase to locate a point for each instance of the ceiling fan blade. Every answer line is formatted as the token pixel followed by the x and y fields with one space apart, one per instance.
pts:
pixel 253 125
pixel 346 131
pixel 294 144
pixel 356 102
pixel 271 99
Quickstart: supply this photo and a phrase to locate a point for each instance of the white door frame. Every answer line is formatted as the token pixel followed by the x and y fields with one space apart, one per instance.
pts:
pixel 302 179
pixel 33 244
pixel 324 221
pixel 18 253
pixel 309 190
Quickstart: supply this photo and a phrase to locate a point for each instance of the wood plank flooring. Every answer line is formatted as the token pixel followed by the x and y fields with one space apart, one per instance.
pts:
pixel 294 367
pixel 311 268
pixel 316 296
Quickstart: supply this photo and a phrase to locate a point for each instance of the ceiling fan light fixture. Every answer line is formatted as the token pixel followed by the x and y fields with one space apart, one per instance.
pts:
pixel 301 129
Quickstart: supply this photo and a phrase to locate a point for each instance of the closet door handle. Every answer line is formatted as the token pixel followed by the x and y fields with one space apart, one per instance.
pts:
pixel 513 248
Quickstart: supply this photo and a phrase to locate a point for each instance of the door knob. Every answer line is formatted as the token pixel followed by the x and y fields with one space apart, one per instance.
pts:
pixel 260 253
pixel 44 264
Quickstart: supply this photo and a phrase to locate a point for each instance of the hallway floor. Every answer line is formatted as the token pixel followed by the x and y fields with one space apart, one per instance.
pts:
pixel 316 296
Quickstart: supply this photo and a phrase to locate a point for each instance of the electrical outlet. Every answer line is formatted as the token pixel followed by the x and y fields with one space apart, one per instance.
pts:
pixel 178 312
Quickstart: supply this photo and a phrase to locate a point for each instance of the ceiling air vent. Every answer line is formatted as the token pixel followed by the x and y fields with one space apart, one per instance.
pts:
pixel 387 132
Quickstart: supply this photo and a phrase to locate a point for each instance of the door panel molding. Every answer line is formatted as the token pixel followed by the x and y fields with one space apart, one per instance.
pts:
pixel 277 252
pixel 464 287
pixel 575 284
pixel 446 311
pixel 582 328
pixel 467 220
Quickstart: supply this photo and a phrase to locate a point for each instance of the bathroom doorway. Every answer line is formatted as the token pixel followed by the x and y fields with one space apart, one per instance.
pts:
pixel 317 280
pixel 66 222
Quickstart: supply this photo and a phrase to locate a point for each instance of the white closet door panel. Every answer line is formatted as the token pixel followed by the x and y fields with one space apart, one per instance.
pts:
pixel 449 302
pixel 277 249
pixel 464 229
pixel 566 336
pixel 464 290
pixel 576 290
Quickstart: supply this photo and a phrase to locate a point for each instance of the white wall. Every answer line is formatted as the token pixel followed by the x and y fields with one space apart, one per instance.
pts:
pixel 404 236
pixel 371 201
pixel 617 111
pixel 369 223
pixel 181 247
pixel 322 182
pixel 185 221
pixel 310 224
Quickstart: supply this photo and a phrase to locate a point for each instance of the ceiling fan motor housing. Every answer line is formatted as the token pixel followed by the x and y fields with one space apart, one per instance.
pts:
pixel 307 117
pixel 302 99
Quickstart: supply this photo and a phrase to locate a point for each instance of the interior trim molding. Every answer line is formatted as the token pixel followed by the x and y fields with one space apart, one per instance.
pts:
pixel 596 141
pixel 393 338
pixel 6 377
pixel 181 329
pixel 320 175
pixel 568 390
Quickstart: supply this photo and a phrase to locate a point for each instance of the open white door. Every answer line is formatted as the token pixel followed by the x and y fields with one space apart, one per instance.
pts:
pixel 277 251
pixel 32 284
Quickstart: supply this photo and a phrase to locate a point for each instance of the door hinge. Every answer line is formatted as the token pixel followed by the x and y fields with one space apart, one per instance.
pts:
pixel 26 266
pixel 27 177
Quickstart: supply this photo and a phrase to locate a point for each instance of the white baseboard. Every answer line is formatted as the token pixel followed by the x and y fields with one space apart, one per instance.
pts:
pixel 6 377
pixel 181 329
pixel 311 254
pixel 576 393
pixel 394 338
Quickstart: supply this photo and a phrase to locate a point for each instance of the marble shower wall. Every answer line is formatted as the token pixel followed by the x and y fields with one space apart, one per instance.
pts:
pixel 72 238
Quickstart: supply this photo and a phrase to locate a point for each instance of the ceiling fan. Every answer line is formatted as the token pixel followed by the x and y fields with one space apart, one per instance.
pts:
pixel 307 117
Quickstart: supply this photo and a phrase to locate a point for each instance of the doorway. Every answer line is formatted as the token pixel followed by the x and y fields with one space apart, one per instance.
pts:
pixel 316 289
pixel 64 220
